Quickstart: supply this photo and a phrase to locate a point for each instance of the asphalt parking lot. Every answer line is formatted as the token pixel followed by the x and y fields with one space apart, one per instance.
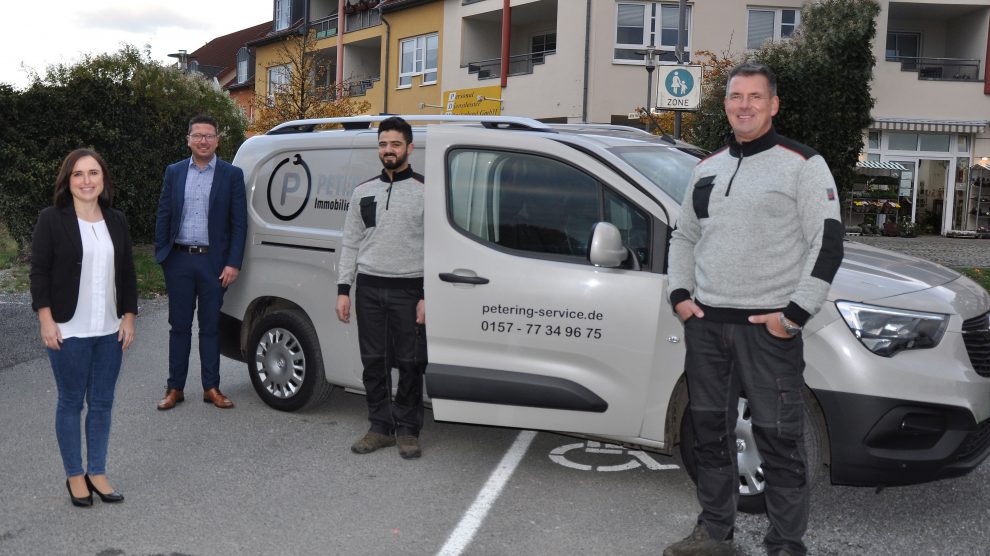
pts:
pixel 251 480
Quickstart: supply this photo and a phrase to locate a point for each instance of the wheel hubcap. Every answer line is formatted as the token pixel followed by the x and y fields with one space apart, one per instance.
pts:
pixel 280 363
pixel 751 479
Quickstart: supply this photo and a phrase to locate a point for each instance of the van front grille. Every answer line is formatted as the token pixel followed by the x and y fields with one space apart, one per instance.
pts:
pixel 976 335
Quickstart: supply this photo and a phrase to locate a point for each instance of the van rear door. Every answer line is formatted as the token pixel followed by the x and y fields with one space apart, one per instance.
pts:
pixel 522 330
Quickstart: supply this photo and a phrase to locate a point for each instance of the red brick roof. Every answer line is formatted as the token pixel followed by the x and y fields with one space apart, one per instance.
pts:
pixel 221 52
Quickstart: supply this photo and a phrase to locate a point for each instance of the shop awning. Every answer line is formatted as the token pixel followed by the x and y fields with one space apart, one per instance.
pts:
pixel 980 165
pixel 880 165
pixel 942 126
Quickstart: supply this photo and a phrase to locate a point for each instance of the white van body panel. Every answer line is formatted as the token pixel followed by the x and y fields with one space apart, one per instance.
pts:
pixel 612 313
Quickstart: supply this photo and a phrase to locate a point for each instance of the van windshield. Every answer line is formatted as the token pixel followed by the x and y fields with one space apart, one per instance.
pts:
pixel 669 168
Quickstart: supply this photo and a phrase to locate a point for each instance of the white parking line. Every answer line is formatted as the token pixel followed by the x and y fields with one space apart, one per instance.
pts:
pixel 461 537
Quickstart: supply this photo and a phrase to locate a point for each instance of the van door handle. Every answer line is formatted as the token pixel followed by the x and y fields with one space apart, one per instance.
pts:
pixel 458 279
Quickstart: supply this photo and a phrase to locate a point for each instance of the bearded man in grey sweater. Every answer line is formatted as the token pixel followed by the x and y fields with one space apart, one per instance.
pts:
pixel 751 261
pixel 382 254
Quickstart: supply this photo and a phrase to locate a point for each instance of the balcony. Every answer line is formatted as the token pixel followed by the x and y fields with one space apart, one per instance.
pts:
pixel 532 37
pixel 362 19
pixel 940 69
pixel 940 42
pixel 325 27
pixel 520 64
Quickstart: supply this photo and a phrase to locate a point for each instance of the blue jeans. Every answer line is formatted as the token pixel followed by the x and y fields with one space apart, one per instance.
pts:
pixel 85 369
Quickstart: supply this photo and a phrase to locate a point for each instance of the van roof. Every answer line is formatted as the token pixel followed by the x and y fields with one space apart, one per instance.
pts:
pixel 364 122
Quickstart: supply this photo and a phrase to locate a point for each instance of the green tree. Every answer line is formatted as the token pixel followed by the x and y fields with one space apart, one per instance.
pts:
pixel 823 80
pixel 132 110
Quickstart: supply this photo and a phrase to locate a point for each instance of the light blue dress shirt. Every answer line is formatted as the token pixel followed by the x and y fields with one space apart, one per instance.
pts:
pixel 196 207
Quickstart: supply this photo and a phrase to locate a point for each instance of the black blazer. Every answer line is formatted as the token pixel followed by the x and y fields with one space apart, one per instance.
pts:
pixel 56 262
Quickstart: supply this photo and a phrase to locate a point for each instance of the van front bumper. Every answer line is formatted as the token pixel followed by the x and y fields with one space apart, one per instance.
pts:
pixel 882 441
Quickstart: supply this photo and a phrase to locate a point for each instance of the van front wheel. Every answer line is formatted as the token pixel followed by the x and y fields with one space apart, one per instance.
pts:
pixel 752 482
pixel 285 362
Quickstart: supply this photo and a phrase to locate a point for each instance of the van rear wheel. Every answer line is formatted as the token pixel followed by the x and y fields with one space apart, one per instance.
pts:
pixel 285 362
pixel 752 482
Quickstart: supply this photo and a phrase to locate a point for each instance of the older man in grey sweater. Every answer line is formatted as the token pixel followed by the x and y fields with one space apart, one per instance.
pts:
pixel 751 261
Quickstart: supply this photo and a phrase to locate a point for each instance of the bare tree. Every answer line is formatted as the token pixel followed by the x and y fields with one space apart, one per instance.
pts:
pixel 302 87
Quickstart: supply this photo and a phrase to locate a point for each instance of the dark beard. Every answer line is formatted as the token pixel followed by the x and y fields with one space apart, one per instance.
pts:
pixel 392 165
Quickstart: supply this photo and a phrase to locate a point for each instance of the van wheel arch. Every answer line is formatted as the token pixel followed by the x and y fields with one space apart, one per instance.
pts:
pixel 817 458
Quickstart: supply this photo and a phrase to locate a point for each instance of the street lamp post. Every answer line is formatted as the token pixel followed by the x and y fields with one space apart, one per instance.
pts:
pixel 679 52
pixel 650 66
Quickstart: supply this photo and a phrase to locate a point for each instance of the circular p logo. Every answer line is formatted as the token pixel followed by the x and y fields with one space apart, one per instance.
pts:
pixel 289 187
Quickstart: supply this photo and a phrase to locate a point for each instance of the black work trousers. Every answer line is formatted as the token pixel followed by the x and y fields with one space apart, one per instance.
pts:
pixel 389 337
pixel 723 359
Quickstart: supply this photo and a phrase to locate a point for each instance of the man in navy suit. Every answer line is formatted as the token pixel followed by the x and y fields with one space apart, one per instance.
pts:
pixel 199 241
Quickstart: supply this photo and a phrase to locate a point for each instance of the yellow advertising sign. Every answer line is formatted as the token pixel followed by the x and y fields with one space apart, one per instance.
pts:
pixel 479 101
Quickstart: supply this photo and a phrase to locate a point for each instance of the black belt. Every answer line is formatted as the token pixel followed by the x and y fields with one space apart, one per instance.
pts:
pixel 191 249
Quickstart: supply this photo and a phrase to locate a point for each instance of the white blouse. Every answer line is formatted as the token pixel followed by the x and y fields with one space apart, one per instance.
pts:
pixel 96 309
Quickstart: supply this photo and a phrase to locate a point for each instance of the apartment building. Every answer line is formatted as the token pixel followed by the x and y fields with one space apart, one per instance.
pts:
pixel 584 60
pixel 384 51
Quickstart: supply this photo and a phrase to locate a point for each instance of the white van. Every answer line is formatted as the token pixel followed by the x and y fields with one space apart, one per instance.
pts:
pixel 539 317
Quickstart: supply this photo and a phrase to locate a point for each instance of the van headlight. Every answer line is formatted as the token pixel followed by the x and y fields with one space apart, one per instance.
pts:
pixel 886 331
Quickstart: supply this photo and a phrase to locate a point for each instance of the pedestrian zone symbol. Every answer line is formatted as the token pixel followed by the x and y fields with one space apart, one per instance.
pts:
pixel 679 83
pixel 679 87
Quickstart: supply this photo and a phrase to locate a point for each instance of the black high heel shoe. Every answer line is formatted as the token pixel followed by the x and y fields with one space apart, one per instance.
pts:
pixel 108 498
pixel 82 502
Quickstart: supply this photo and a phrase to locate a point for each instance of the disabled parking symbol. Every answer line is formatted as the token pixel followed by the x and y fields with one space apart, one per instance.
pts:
pixel 574 456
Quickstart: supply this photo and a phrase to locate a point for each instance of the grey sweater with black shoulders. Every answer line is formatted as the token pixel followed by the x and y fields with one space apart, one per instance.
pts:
pixel 383 234
pixel 759 232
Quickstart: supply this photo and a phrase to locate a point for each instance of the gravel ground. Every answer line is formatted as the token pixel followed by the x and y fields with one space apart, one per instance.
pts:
pixel 948 251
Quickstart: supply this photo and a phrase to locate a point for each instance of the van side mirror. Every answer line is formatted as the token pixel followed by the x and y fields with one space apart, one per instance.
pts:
pixel 606 249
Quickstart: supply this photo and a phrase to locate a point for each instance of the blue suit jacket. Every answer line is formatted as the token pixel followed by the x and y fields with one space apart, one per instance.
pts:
pixel 227 216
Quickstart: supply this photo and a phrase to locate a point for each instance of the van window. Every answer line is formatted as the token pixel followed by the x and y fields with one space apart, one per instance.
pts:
pixel 536 204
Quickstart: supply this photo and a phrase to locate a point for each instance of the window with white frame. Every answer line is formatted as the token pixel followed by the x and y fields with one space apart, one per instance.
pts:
pixel 771 24
pixel 278 79
pixel 418 56
pixel 649 24
pixel 283 12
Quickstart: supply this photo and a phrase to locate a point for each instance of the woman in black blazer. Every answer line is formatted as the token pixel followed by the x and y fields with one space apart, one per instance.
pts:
pixel 84 289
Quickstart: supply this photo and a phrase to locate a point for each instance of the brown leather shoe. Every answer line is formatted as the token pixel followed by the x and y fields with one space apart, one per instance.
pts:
pixel 172 397
pixel 216 397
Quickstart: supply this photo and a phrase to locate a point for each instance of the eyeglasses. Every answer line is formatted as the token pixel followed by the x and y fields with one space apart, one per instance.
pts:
pixel 199 137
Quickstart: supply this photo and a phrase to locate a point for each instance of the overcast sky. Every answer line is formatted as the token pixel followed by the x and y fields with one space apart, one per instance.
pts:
pixel 43 32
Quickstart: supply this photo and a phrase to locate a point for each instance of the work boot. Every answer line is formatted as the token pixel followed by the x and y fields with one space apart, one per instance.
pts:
pixel 700 543
pixel 371 442
pixel 409 447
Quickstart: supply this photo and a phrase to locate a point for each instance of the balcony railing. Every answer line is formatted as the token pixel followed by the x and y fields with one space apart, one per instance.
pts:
pixel 940 69
pixel 353 88
pixel 359 87
pixel 362 19
pixel 326 27
pixel 519 64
